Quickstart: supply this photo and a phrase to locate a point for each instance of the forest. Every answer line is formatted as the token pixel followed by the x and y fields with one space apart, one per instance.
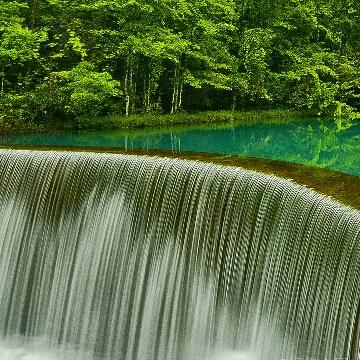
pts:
pixel 62 60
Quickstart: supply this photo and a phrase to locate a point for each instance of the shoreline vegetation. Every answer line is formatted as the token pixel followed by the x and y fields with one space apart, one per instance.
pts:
pixel 183 118
pixel 159 120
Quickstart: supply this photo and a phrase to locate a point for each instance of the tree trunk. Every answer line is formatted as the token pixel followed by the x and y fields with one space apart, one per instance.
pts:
pixel 2 80
pixel 177 92
pixel 151 84
pixel 234 101
pixel 126 88
pixel 180 95
pixel 173 102
pixel 147 91
pixel 129 87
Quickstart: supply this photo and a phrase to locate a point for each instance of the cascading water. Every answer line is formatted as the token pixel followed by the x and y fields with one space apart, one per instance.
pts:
pixel 138 258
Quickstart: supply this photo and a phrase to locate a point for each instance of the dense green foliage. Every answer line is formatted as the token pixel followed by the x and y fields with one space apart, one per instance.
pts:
pixel 69 59
pixel 229 118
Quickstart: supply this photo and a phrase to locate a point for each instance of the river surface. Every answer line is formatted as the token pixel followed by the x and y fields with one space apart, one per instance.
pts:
pixel 308 142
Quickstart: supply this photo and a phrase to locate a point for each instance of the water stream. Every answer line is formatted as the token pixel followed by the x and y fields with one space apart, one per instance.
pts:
pixel 141 258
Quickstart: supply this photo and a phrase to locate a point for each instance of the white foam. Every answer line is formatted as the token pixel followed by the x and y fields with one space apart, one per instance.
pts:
pixel 15 349
pixel 234 355
pixel 25 354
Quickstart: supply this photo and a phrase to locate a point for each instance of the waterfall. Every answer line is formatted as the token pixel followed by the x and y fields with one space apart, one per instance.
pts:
pixel 140 258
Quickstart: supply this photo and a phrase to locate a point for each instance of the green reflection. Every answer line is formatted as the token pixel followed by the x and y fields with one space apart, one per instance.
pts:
pixel 325 144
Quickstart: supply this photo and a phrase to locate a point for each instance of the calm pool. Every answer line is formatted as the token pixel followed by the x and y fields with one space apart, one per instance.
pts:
pixel 309 142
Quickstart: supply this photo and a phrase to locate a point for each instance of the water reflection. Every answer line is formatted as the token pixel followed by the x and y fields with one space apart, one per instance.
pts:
pixel 324 144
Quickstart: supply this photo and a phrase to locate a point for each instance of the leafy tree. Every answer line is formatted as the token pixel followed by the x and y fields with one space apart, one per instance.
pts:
pixel 77 92
pixel 19 47
pixel 252 73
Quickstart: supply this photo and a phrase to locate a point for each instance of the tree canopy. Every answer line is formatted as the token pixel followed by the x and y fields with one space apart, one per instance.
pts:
pixel 60 59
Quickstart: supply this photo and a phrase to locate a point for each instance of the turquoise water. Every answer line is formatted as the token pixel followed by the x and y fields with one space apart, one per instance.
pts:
pixel 310 142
